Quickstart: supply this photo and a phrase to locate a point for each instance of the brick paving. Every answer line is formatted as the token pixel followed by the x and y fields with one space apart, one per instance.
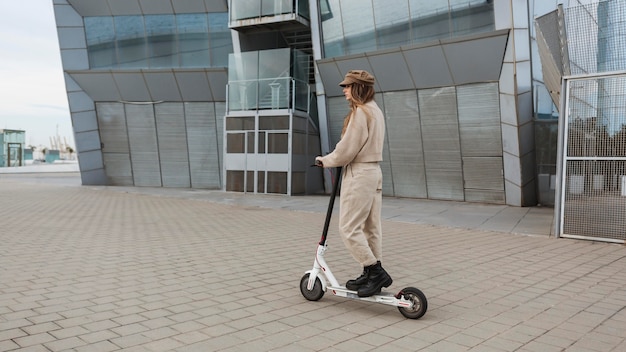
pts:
pixel 115 269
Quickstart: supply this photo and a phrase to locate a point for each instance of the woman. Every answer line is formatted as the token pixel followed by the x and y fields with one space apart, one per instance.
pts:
pixel 358 152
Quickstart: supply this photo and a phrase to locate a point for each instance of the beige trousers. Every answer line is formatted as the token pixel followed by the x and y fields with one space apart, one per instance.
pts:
pixel 360 210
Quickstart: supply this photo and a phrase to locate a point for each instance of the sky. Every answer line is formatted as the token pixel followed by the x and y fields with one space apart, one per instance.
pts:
pixel 32 88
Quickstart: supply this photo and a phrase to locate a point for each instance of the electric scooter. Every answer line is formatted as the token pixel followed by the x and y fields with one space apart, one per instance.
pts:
pixel 411 302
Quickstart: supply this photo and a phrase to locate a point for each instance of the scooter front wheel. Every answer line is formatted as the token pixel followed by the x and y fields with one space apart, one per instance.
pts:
pixel 316 293
pixel 419 303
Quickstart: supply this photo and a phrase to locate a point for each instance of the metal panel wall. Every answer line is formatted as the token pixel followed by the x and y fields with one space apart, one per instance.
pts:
pixel 481 142
pixel 404 138
pixel 115 147
pixel 142 138
pixel 202 139
pixel 172 142
pixel 337 110
pixel 442 148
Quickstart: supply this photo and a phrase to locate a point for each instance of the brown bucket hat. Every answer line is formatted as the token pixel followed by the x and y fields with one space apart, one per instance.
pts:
pixel 358 76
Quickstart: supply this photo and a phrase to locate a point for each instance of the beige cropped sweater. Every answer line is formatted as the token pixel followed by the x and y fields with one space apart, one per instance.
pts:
pixel 363 139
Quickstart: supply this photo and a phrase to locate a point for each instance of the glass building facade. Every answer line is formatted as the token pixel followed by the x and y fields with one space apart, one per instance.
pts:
pixel 241 95
pixel 158 41
pixel 354 26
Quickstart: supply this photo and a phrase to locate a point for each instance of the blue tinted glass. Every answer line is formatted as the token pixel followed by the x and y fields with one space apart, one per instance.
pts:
pixel 392 23
pixel 358 26
pixel 303 8
pixel 193 39
pixel 159 41
pixel 131 41
pixel 430 20
pixel 161 38
pixel 332 28
pixel 220 41
pixel 100 35
pixel 353 26
pixel 471 16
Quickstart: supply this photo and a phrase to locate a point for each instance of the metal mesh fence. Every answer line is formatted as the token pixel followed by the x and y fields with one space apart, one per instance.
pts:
pixel 596 37
pixel 586 44
pixel 595 162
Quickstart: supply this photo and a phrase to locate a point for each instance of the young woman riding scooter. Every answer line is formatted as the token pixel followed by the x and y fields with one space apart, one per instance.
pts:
pixel 359 152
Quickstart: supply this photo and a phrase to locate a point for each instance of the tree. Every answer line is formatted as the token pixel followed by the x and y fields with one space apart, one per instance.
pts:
pixel 69 150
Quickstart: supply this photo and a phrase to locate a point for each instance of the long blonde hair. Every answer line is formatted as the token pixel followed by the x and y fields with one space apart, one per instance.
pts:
pixel 361 94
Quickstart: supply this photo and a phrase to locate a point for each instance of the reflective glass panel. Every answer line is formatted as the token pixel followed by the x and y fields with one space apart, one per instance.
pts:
pixel 220 42
pixel 276 7
pixel 392 23
pixel 100 35
pixel 277 143
pixel 161 37
pixel 193 40
pixel 131 41
pixel 274 78
pixel 358 26
pixel 430 20
pixel 158 41
pixel 303 8
pixel 243 80
pixel 471 16
pixel 242 9
pixel 274 63
pixel 330 13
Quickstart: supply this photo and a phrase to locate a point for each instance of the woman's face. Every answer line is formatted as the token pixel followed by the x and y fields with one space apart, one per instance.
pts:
pixel 347 91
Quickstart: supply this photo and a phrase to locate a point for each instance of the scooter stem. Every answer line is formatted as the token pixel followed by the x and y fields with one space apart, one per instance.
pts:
pixel 331 204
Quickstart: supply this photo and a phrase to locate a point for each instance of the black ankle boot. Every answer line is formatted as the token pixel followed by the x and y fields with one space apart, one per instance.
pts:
pixel 376 280
pixel 354 285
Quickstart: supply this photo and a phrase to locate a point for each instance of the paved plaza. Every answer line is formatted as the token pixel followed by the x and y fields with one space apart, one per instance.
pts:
pixel 94 268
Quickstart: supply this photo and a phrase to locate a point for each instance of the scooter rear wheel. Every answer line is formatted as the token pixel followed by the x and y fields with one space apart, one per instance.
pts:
pixel 316 293
pixel 419 303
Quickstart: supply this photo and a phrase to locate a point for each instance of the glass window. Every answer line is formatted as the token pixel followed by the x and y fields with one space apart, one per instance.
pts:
pixel 303 8
pixel 274 63
pixel 273 122
pixel 242 80
pixel 250 181
pixel 239 123
pixel 242 9
pixel 471 16
pixel 100 35
pixel 277 143
pixel 332 28
pixel 221 42
pixel 429 20
pixel 276 182
pixel 261 142
pixel 193 40
pixel 276 7
pixel 236 143
pixel 185 40
pixel 250 142
pixel 392 23
pixel 234 181
pixel 261 182
pixel 161 38
pixel 131 41
pixel 358 26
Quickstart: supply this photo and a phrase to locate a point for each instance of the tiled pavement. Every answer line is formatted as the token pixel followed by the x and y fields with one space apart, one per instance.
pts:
pixel 135 269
